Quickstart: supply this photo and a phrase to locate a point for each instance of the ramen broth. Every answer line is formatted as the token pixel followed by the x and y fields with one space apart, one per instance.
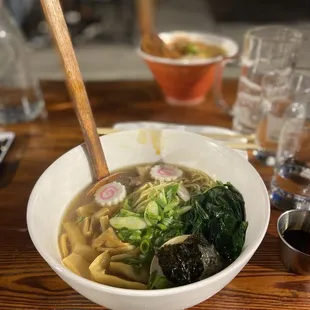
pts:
pixel 182 47
pixel 188 48
pixel 112 236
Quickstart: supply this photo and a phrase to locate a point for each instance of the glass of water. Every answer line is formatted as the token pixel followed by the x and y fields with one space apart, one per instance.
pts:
pixel 20 95
pixel 283 96
pixel 265 49
pixel 290 185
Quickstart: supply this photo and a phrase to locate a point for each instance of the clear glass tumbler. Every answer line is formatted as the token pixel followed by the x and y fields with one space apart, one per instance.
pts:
pixel 282 98
pixel 20 96
pixel 290 185
pixel 265 49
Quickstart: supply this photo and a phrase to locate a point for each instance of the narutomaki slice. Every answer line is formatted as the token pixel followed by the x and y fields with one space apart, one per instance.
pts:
pixel 166 173
pixel 110 194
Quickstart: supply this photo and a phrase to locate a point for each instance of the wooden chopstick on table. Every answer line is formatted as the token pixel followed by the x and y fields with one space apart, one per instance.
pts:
pixel 248 145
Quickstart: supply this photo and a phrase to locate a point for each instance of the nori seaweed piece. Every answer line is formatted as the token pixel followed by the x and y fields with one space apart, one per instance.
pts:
pixel 189 261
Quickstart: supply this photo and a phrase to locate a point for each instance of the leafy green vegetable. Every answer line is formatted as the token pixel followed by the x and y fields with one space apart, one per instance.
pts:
pixel 131 236
pixel 219 214
pixel 126 213
pixel 228 198
pixel 126 205
pixel 158 282
pixel 176 228
pixel 146 241
pixel 128 222
pixel 172 204
pixel 80 219
pixel 151 214
pixel 160 198
pixel 171 191
pixel 196 219
pixel 161 215
pixel 191 49
pixel 184 210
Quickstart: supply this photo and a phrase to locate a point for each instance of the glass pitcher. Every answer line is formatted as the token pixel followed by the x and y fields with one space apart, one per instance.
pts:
pixel 20 95
pixel 265 49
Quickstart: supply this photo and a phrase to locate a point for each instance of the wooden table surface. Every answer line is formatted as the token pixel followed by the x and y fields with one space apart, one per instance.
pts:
pixel 27 282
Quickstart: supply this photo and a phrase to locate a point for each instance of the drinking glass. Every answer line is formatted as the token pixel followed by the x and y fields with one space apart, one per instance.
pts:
pixel 283 96
pixel 265 49
pixel 20 94
pixel 290 185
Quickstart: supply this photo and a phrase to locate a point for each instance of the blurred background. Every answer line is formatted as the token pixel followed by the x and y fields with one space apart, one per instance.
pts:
pixel 105 32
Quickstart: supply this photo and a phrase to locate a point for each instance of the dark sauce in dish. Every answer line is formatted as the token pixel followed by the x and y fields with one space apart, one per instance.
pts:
pixel 298 239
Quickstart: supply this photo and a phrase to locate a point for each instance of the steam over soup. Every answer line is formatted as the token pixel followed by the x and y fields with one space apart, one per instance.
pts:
pixel 112 235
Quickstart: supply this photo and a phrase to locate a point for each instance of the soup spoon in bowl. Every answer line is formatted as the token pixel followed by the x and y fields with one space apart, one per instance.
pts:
pixel 55 18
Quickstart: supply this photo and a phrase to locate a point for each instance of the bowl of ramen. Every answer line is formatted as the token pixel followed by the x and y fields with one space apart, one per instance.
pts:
pixel 184 217
pixel 188 74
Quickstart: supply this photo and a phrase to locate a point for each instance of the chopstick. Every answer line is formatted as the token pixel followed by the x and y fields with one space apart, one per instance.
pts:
pixel 222 137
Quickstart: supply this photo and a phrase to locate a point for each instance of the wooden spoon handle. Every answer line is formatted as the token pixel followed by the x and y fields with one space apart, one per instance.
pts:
pixel 151 43
pixel 145 10
pixel 59 29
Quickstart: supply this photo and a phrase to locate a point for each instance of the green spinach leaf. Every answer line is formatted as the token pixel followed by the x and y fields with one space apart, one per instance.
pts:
pixel 219 214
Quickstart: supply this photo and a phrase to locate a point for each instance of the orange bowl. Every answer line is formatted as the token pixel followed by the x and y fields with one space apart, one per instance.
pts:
pixel 187 81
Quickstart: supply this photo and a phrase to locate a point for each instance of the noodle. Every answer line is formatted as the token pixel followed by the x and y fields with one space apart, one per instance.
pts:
pixel 93 248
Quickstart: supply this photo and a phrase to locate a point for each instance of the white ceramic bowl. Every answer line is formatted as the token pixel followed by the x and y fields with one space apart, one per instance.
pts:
pixel 70 174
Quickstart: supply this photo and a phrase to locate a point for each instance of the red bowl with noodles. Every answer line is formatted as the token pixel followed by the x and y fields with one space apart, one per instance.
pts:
pixel 187 80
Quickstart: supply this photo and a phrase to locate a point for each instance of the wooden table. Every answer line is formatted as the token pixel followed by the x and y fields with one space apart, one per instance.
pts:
pixel 27 282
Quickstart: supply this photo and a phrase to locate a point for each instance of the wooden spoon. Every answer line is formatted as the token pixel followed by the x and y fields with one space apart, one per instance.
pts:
pixel 151 43
pixel 55 18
